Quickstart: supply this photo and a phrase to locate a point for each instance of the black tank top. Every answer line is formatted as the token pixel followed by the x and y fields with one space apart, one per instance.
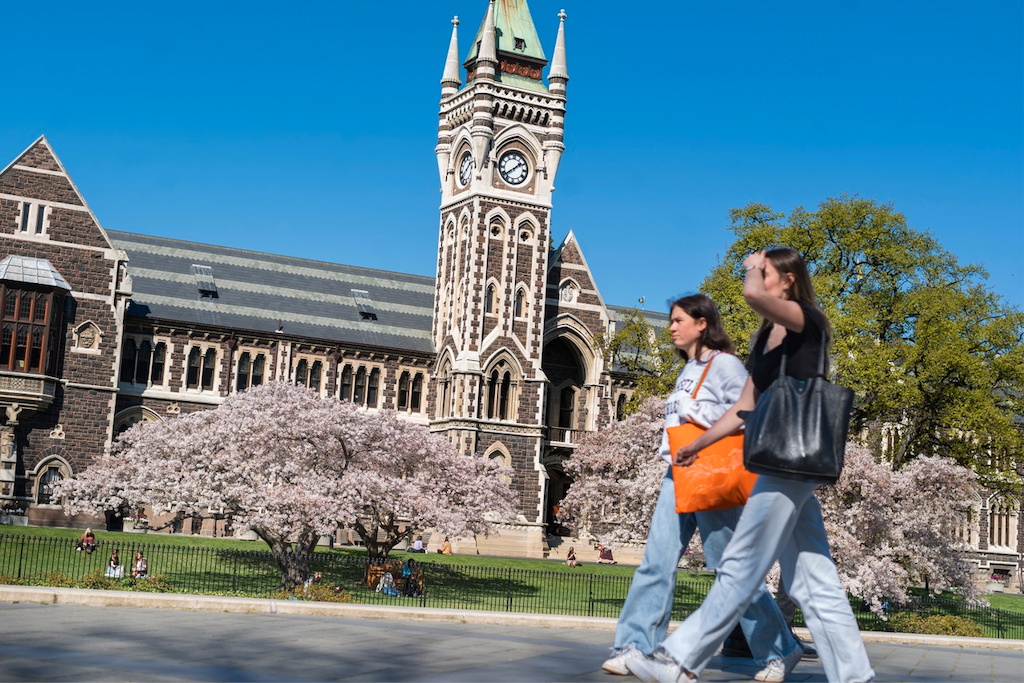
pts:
pixel 802 349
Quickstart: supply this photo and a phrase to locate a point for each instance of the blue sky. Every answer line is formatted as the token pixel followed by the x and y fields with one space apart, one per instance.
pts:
pixel 308 128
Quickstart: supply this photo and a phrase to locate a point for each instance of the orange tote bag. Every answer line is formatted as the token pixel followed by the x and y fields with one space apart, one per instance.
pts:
pixel 717 480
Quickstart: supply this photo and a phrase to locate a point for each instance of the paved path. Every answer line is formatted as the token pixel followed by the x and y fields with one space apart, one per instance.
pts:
pixel 58 642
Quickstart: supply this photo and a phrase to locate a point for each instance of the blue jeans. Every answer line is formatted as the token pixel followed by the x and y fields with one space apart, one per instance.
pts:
pixel 646 614
pixel 782 520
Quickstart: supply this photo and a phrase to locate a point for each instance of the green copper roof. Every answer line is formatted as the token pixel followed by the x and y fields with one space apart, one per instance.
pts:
pixel 511 20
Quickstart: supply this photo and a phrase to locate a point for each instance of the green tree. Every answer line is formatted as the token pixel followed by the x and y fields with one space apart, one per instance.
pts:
pixel 644 353
pixel 936 358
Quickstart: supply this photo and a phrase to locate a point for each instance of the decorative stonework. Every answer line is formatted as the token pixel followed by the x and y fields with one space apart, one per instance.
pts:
pixel 174 409
pixel 57 432
pixel 87 338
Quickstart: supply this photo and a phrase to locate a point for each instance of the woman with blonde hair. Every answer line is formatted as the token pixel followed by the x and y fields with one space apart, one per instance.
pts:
pixel 782 519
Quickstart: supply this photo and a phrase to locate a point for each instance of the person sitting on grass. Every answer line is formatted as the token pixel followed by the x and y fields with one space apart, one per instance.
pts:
pixel 570 557
pixel 446 547
pixel 115 570
pixel 88 542
pixel 141 566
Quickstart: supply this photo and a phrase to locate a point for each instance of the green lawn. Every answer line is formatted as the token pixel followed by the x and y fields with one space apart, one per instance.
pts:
pixel 1007 602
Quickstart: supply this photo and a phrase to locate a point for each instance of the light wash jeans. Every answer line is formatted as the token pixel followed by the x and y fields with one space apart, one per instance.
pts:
pixel 648 609
pixel 782 519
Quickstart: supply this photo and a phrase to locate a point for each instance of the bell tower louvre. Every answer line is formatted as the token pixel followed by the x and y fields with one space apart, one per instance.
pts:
pixel 498 149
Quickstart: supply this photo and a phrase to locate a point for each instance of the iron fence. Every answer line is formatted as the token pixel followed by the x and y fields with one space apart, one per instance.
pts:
pixel 191 569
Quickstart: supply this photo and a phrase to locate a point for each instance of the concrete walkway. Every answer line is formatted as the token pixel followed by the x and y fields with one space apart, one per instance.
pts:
pixel 75 635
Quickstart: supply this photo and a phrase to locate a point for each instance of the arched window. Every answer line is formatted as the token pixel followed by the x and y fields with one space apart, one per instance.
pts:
pixel 444 379
pixel 565 407
pixel 403 391
pixel 47 479
pixel 620 407
pixel 372 389
pixel 33 328
pixel 6 345
pixel 128 354
pixel 209 366
pixel 489 300
pixel 520 301
pixel 302 373
pixel 142 362
pixel 244 370
pixel 12 305
pixel 315 373
pixel 346 384
pixel 156 374
pixel 506 388
pixel 39 313
pixel 258 364
pixel 417 392
pixel 25 309
pixel 359 394
pixel 492 393
pixel 195 363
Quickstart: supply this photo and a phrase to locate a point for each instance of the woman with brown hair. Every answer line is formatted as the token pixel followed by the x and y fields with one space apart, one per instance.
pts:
pixel 782 519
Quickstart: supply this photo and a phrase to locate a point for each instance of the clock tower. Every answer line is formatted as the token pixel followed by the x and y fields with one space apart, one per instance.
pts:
pixel 498 149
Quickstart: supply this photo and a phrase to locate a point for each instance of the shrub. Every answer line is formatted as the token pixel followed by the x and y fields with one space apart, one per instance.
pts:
pixel 9 580
pixel 95 580
pixel 59 579
pixel 152 583
pixel 936 624
pixel 320 592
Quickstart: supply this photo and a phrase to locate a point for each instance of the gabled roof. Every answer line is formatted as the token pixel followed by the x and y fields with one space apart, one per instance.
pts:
pixel 512 20
pixel 258 291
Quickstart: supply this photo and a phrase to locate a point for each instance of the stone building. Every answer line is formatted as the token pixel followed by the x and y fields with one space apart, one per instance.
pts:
pixel 498 351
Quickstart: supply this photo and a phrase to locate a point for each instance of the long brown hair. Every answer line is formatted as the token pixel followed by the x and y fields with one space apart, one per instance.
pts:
pixel 713 337
pixel 787 260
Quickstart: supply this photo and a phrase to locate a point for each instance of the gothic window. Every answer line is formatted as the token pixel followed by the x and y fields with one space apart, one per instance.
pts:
pixel 302 373
pixel 156 373
pixel 1001 520
pixel 403 391
pixel 501 382
pixel 258 364
pixel 346 384
pixel 620 407
pixel 359 394
pixel 209 365
pixel 520 303
pixel 417 393
pixel 128 353
pixel 195 363
pixel 444 378
pixel 32 329
pixel 316 372
pixel 47 479
pixel 244 372
pixel 373 388
pixel 566 400
pixel 142 362
pixel 489 300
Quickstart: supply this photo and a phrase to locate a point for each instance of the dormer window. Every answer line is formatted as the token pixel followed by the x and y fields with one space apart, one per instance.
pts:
pixel 205 283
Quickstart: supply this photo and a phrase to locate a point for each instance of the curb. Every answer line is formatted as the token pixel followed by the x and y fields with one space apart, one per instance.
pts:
pixel 101 598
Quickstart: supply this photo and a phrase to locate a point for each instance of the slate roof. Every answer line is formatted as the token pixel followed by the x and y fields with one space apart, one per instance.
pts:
pixel 254 290
pixel 36 271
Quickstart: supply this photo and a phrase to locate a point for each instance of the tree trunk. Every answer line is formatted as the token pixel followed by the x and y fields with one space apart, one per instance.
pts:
pixel 293 562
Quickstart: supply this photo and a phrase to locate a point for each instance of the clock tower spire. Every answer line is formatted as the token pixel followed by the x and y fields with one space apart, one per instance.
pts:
pixel 499 146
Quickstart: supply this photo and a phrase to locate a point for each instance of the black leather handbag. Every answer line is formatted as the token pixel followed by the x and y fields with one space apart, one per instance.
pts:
pixel 798 428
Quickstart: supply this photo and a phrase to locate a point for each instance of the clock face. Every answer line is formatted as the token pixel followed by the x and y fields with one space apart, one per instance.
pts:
pixel 466 169
pixel 513 168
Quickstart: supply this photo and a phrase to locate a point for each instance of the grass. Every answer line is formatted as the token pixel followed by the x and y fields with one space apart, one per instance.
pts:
pixel 1007 602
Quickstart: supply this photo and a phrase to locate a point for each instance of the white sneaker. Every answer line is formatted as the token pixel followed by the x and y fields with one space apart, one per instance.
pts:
pixel 660 667
pixel 777 669
pixel 616 663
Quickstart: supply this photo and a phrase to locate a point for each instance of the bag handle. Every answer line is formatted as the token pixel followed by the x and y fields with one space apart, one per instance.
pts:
pixel 701 382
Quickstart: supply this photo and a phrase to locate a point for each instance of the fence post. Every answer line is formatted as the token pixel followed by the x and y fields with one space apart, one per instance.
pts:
pixel 590 595
pixel 234 572
pixel 508 591
pixel 21 556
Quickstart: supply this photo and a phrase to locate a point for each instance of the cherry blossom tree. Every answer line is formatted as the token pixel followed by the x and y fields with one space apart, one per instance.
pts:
pixel 617 475
pixel 292 467
pixel 889 530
